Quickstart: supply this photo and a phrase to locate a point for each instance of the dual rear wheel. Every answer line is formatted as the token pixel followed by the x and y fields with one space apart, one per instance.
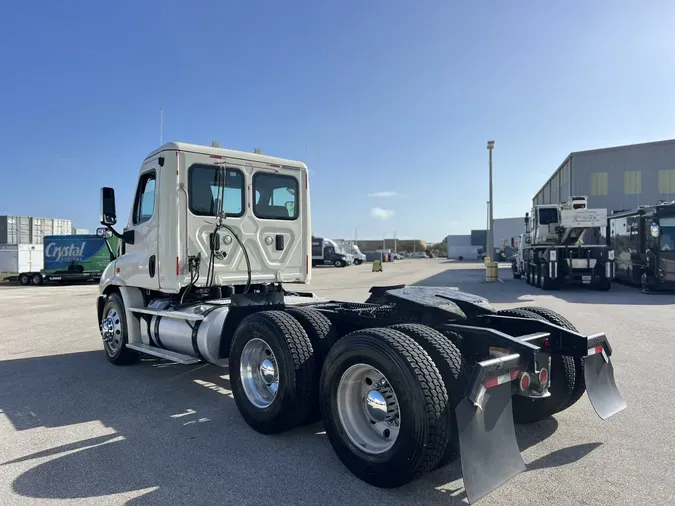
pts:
pixel 386 395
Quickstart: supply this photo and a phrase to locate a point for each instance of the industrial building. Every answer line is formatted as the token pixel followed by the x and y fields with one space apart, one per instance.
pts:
pixel 615 178
pixel 471 246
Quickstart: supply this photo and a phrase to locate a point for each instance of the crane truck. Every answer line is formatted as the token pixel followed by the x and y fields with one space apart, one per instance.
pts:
pixel 212 260
pixel 565 244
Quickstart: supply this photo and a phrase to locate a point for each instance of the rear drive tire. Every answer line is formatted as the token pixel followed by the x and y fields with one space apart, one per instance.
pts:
pixel 389 368
pixel 322 335
pixel 561 386
pixel 272 371
pixel 579 377
pixel 114 332
pixel 454 371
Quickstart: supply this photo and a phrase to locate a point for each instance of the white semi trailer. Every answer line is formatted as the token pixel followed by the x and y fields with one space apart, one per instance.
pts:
pixel 404 382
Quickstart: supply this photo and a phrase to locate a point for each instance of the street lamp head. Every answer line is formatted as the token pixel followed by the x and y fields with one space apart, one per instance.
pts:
pixel 491 144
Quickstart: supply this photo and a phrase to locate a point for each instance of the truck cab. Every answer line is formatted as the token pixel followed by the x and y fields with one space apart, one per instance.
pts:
pixel 329 252
pixel 252 208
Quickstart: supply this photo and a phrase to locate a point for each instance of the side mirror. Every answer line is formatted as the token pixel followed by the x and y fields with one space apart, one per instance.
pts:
pixel 103 232
pixel 655 230
pixel 108 213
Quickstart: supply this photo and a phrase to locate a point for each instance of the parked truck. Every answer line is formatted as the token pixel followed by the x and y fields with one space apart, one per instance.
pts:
pixel 566 244
pixel 405 382
pixel 329 252
pixel 68 258
pixel 643 242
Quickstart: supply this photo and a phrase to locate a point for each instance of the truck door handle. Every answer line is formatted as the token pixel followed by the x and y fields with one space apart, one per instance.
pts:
pixel 151 266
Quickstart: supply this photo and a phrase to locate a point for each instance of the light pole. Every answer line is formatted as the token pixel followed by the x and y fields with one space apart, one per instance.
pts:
pixel 490 238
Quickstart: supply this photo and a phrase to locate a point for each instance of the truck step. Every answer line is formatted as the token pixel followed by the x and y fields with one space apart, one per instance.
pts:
pixel 180 315
pixel 166 354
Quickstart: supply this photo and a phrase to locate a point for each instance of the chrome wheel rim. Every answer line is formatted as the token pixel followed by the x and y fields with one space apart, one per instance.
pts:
pixel 111 331
pixel 368 409
pixel 259 373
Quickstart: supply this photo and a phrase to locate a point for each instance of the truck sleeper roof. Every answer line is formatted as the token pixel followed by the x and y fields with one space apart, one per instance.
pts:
pixel 227 153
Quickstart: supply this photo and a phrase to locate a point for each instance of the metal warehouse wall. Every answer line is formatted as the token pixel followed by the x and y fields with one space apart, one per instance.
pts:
pixel 615 178
pixel 459 240
pixel 506 228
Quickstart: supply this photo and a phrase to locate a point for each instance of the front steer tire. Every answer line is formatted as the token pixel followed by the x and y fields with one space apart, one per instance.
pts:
pixel 422 403
pixel 118 353
pixel 454 371
pixel 286 343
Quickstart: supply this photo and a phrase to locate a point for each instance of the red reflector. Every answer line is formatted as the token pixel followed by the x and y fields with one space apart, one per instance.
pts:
pixel 514 375
pixel 492 382
pixel 217 156
pixel 547 344
pixel 307 264
pixel 306 181
pixel 177 266
pixel 598 349
pixel 543 376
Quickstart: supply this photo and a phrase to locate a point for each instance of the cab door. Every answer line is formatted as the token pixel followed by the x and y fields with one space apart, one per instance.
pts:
pixel 139 265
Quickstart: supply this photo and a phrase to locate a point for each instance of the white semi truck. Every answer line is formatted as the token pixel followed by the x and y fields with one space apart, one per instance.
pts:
pixel 565 244
pixel 404 382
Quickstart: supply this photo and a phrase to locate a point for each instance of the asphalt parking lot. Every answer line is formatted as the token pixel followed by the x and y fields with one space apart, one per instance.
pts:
pixel 75 429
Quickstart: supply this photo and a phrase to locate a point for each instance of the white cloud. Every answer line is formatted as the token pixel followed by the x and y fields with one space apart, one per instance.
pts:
pixel 381 214
pixel 383 194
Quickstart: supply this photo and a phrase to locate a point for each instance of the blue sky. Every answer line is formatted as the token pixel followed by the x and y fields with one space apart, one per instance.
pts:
pixel 380 97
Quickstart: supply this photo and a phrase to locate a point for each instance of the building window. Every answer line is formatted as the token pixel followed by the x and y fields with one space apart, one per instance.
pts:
pixel 667 181
pixel 632 182
pixel 599 183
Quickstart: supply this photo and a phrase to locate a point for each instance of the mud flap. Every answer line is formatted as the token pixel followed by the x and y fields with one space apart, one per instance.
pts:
pixel 487 439
pixel 600 384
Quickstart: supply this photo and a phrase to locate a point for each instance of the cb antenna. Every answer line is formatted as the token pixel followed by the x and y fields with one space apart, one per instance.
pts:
pixel 161 126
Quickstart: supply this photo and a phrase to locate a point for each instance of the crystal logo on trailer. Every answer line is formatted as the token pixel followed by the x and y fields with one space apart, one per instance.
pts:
pixel 65 253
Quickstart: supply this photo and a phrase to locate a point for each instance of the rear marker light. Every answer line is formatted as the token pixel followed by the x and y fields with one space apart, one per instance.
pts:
pixel 547 345
pixel 543 376
pixel 177 266
pixel 524 382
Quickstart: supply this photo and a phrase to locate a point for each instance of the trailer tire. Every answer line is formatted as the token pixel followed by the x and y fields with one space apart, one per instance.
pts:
pixel 36 279
pixel 579 375
pixel 272 346
pixel 114 315
pixel 410 376
pixel 455 373
pixel 322 335
pixel 24 279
